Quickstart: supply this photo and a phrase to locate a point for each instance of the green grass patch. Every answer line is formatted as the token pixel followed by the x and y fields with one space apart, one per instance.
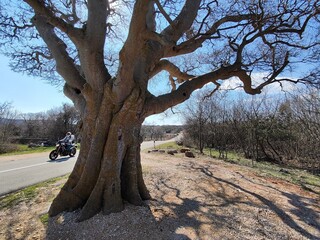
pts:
pixel 231 156
pixel 296 176
pixel 169 145
pixel 13 199
pixel 26 194
pixel 24 149
pixel 44 218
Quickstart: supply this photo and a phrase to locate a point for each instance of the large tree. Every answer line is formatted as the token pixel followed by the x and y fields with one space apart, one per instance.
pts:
pixel 195 41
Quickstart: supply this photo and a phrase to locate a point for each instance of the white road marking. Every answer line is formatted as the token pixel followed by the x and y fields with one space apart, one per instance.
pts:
pixel 14 169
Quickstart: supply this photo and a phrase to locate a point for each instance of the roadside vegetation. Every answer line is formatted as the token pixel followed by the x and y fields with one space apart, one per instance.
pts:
pixel 36 132
pixel 266 128
pixel 15 149
pixel 27 194
pixel 303 178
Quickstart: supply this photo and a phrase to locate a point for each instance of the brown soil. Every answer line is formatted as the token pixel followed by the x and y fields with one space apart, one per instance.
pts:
pixel 197 198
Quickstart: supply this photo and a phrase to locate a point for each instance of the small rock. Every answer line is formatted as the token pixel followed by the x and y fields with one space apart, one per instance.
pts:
pixel 183 150
pixel 284 171
pixel 189 154
pixel 170 152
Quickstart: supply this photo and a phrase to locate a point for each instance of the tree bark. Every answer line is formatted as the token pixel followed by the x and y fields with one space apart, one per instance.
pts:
pixel 108 170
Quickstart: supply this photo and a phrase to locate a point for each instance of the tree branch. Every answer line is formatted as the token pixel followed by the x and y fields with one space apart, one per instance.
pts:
pixel 172 69
pixel 142 20
pixel 161 103
pixel 96 24
pixel 183 21
pixel 247 82
pixel 196 41
pixel 275 73
pixel 65 65
pixel 40 9
pixel 163 12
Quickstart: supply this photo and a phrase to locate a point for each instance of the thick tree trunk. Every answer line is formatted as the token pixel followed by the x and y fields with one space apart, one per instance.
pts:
pixel 108 170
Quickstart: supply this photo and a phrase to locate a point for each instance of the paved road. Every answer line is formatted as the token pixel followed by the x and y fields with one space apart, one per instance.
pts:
pixel 20 171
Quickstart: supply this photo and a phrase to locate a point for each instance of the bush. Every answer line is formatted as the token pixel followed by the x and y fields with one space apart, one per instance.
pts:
pixel 7 148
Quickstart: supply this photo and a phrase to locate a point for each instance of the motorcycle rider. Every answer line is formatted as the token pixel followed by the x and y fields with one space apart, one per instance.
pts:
pixel 64 147
pixel 68 140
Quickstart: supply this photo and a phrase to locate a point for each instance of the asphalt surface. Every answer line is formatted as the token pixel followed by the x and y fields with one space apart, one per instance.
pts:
pixel 20 171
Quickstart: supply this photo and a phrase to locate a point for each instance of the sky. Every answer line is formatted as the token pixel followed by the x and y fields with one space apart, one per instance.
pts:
pixel 29 94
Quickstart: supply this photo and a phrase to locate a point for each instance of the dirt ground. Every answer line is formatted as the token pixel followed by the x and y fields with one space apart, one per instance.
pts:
pixel 198 198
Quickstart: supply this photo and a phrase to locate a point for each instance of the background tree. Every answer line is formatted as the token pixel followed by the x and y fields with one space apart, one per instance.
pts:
pixel 43 127
pixel 8 126
pixel 219 131
pixel 62 120
pixel 196 118
pixel 305 112
pixel 78 40
pixel 263 128
pixel 34 125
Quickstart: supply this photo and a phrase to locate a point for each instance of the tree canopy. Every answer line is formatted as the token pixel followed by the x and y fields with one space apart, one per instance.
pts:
pixel 215 39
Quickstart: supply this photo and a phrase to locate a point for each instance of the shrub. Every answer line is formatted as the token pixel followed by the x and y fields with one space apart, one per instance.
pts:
pixel 7 148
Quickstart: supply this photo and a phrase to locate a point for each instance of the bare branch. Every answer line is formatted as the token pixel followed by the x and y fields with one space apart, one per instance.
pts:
pixel 161 103
pixel 172 69
pixel 142 18
pixel 214 90
pixel 96 24
pixel 40 8
pixel 163 12
pixel 247 82
pixel 183 21
pixel 173 84
pixel 196 42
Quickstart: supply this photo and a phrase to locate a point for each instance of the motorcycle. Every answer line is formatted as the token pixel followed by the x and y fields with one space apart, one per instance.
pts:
pixel 62 150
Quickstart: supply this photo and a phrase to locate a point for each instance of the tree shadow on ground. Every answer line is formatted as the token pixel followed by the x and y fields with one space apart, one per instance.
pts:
pixel 186 216
pixel 298 205
pixel 194 202
pixel 303 211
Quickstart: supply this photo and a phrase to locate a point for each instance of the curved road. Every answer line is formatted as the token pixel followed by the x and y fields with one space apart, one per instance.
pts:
pixel 20 171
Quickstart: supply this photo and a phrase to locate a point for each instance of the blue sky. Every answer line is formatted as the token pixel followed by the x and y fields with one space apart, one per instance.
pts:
pixel 28 94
